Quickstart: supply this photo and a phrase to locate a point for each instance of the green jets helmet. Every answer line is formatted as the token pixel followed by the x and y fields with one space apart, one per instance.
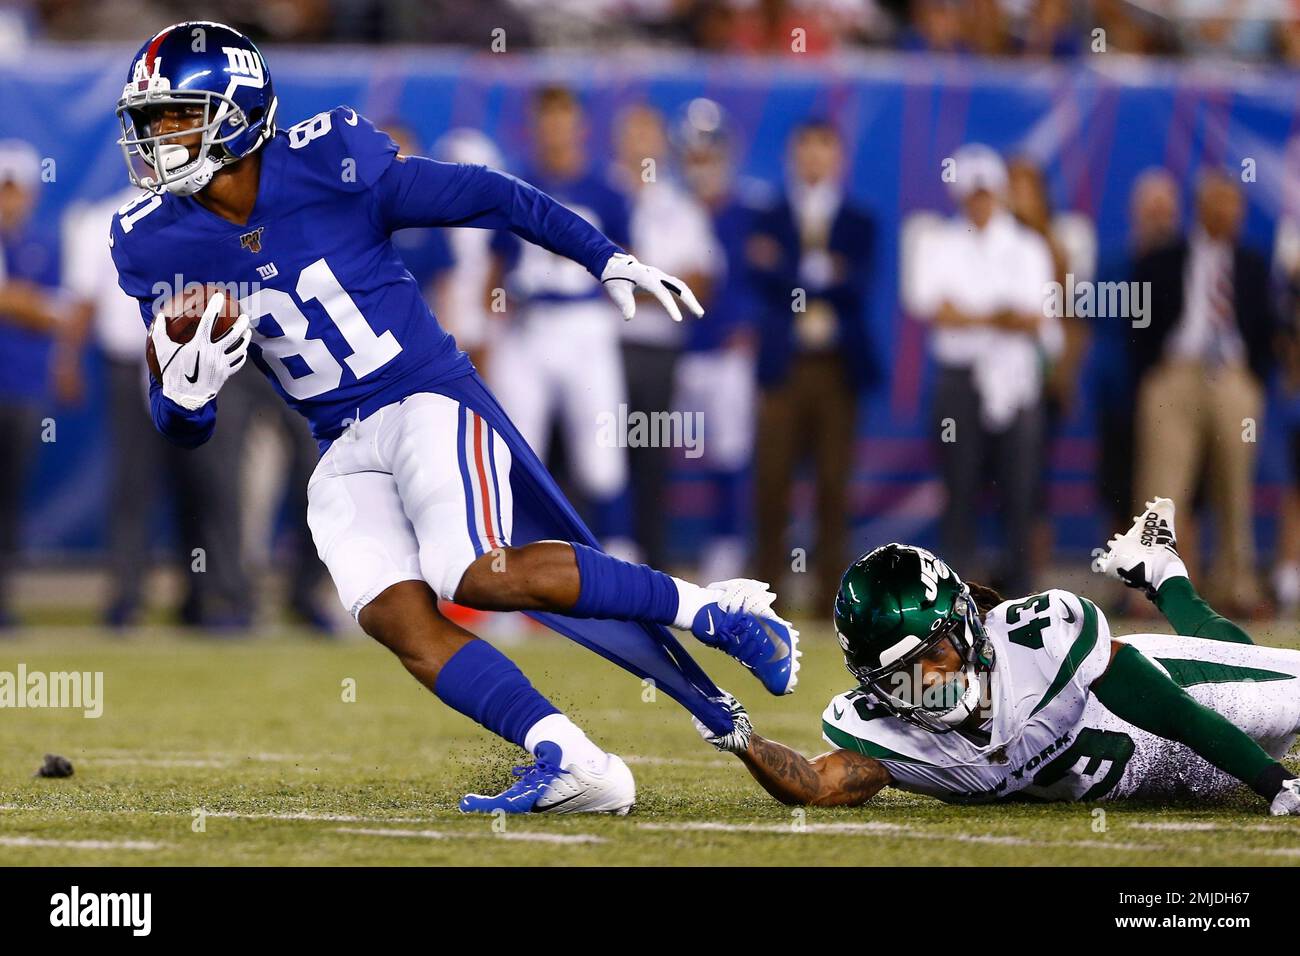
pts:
pixel 895 605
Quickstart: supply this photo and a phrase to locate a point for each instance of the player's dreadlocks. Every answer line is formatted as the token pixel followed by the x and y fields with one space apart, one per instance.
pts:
pixel 985 598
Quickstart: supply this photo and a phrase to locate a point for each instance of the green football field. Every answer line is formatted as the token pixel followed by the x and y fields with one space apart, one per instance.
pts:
pixel 247 753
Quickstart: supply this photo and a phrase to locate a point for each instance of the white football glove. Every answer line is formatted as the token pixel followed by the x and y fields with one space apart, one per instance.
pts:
pixel 737 741
pixel 744 594
pixel 623 275
pixel 194 372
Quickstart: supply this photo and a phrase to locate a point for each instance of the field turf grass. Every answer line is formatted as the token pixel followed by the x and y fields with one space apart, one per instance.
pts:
pixel 245 753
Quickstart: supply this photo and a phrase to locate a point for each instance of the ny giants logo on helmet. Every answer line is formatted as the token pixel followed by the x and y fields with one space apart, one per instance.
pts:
pixel 245 63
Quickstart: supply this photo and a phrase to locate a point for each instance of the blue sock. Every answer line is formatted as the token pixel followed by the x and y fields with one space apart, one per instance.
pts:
pixel 611 588
pixel 487 687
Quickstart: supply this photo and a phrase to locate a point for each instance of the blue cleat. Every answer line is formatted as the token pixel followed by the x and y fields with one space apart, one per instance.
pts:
pixel 544 787
pixel 766 645
pixel 522 795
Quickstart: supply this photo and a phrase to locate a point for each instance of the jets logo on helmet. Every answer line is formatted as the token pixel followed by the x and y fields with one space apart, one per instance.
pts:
pixel 932 570
pixel 896 604
pixel 196 65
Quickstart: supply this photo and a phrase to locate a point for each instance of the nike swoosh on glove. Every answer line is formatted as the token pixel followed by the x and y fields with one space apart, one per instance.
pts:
pixel 623 275
pixel 193 372
pixel 742 729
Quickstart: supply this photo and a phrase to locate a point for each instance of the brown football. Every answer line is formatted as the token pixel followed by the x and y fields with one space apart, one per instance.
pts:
pixel 182 314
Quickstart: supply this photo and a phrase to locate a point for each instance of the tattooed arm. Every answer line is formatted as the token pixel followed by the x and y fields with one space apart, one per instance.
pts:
pixel 840 778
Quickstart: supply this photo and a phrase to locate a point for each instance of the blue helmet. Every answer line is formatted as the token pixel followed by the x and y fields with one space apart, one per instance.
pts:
pixel 195 64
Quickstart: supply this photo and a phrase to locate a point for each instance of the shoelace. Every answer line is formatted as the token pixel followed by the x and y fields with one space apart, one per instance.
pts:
pixel 745 633
pixel 525 772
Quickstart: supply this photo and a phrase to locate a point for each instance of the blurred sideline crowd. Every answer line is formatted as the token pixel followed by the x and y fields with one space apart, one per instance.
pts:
pixel 1239 29
pixel 776 372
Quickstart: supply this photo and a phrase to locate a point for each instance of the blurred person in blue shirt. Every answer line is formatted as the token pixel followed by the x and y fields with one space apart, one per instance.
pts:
pixel 811 255
pixel 39 362
pixel 557 365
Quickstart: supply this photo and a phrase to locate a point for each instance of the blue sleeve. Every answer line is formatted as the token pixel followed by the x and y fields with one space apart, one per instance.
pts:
pixel 179 426
pixel 354 159
pixel 618 222
pixel 415 191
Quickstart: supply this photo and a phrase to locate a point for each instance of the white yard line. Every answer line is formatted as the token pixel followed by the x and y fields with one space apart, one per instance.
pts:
pixel 449 835
pixel 1209 826
pixel 906 831
pixel 82 844
pixel 302 815
pixel 870 828
pixel 236 815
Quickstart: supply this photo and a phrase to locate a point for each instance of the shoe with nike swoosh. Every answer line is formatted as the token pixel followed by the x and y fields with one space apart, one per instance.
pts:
pixel 544 787
pixel 764 643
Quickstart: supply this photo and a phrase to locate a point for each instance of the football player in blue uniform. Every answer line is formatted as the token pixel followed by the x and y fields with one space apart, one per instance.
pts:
pixel 424 489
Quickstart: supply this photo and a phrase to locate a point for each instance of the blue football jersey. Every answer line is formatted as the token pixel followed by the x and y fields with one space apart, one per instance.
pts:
pixel 340 325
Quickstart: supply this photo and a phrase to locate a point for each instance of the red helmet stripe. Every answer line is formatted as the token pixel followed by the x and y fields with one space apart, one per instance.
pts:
pixel 153 49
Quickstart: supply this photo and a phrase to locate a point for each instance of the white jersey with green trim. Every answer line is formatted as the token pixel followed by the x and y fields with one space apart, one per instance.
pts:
pixel 1051 739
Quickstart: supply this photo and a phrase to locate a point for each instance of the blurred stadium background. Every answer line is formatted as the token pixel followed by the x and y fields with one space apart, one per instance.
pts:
pixel 829 124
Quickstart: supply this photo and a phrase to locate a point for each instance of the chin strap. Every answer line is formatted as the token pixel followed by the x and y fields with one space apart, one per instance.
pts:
pixel 205 167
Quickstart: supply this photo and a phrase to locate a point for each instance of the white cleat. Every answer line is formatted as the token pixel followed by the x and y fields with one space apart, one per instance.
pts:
pixel 582 790
pixel 545 787
pixel 1287 801
pixel 1146 555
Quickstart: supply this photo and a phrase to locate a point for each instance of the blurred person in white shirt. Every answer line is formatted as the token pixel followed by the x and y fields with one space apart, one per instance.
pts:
pixel 982 286
pixel 556 365
pixel 670 228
